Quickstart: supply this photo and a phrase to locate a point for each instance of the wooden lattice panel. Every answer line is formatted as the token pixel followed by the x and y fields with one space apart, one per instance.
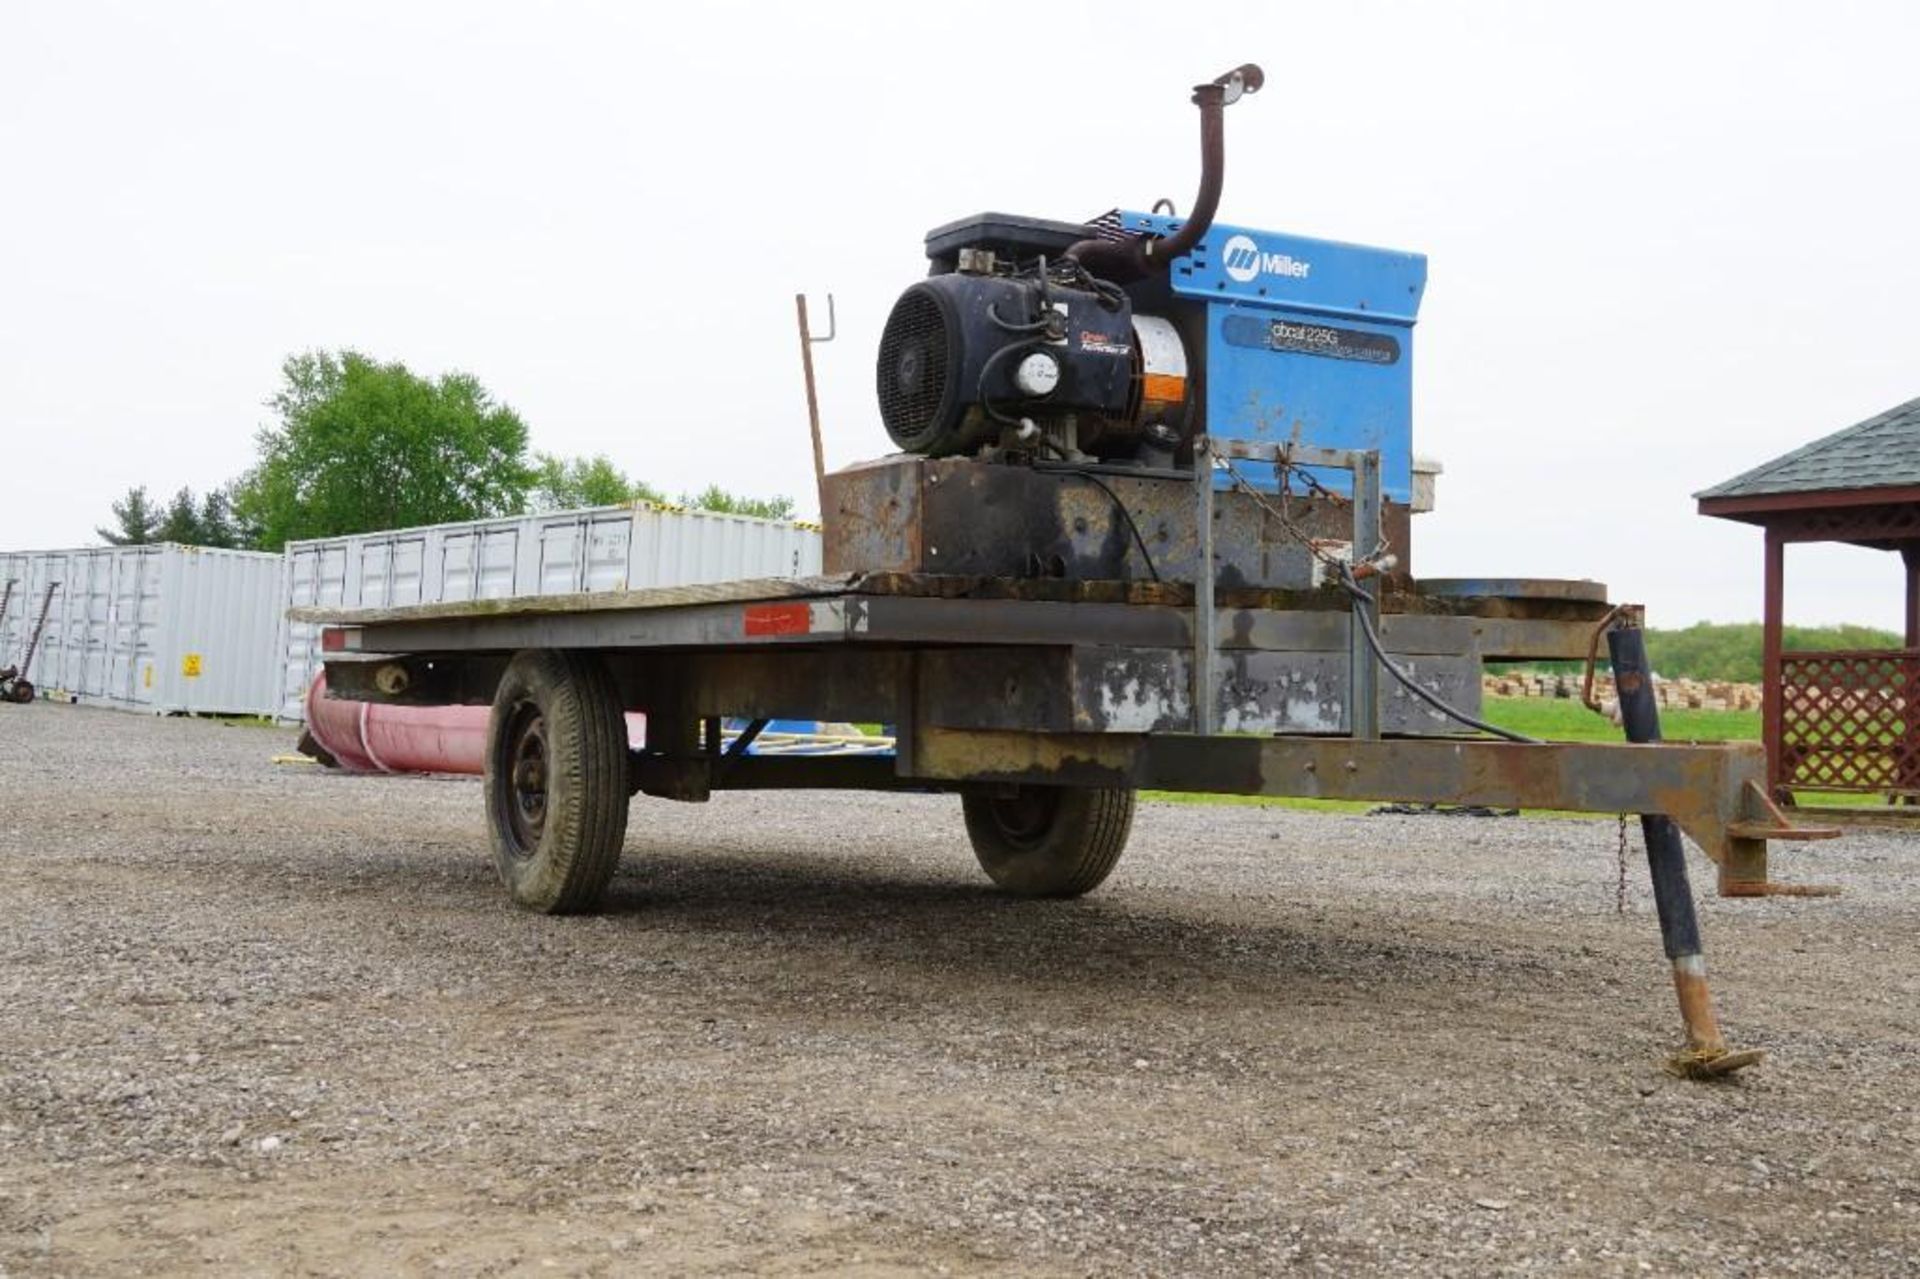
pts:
pixel 1887 525
pixel 1845 721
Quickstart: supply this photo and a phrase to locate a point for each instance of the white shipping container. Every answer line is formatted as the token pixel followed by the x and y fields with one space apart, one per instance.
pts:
pixel 605 548
pixel 161 628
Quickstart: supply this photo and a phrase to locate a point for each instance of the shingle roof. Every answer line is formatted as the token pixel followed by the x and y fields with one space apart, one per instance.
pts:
pixel 1881 452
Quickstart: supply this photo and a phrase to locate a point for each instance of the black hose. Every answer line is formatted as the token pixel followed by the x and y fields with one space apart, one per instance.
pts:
pixel 1360 602
pixel 1033 326
pixel 1118 505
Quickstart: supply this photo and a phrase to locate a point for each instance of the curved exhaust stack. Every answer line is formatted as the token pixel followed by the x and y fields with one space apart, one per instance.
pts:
pixel 1124 261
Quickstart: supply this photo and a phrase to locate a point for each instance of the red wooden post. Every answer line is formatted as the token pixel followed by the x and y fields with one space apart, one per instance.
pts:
pixel 1909 760
pixel 1771 700
pixel 1910 556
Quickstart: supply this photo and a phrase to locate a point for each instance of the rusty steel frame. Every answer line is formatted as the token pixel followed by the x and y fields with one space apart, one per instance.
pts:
pixel 1717 793
pixel 1714 792
pixel 869 654
pixel 849 610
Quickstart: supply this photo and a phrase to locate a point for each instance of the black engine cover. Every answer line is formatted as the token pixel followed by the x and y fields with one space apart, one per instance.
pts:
pixel 948 355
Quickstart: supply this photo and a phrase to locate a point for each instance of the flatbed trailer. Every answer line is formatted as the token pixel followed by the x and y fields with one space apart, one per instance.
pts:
pixel 1046 705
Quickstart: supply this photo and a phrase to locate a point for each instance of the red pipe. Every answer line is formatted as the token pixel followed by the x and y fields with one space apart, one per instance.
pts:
pixel 370 737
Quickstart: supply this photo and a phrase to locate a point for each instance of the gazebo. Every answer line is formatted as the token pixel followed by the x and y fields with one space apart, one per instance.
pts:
pixel 1839 721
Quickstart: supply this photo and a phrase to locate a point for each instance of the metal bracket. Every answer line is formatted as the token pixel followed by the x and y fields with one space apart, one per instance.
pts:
pixel 807 342
pixel 1206 641
pixel 1363 674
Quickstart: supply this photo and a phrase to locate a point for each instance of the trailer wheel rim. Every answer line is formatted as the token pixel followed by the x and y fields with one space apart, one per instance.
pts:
pixel 1026 816
pixel 526 780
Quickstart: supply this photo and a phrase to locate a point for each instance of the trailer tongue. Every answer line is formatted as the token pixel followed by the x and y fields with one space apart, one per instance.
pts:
pixel 1151 528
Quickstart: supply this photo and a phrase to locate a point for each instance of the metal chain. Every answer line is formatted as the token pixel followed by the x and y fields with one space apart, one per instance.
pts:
pixel 1620 885
pixel 1285 475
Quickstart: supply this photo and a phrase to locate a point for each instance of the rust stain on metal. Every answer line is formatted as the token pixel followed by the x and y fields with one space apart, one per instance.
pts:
pixel 1696 1004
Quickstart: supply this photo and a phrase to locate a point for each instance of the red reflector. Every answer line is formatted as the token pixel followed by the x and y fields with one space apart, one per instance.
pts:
pixel 336 639
pixel 778 619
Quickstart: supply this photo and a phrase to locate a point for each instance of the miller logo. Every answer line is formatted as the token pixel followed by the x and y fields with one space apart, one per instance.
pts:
pixel 1242 260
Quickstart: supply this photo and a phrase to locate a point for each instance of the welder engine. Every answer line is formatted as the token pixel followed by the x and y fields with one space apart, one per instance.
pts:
pixel 1034 356
pixel 1029 339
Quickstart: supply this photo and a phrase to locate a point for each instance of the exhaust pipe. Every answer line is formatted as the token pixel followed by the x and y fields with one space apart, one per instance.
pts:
pixel 1124 261
pixel 373 737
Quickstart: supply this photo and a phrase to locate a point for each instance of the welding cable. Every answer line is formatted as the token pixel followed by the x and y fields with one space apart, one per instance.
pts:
pixel 1118 505
pixel 1360 601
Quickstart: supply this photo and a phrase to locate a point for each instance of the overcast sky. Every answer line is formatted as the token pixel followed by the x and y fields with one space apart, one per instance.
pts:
pixel 1666 241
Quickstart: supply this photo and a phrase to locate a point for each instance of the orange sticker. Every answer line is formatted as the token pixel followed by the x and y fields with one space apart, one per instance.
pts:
pixel 1164 388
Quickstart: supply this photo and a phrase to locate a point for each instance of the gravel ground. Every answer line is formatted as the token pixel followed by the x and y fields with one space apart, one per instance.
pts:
pixel 258 1018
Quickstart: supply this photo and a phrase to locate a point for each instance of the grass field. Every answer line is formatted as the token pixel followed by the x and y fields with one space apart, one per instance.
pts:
pixel 1568 721
pixel 1557 720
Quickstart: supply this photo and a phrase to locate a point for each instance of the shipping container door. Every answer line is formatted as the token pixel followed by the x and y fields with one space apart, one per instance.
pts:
pixel 96 674
pixel 560 556
pixel 13 602
pixel 63 646
pixel 123 612
pixel 391 569
pixel 499 557
pixel 316 576
pixel 147 598
pixel 459 564
pixel 302 575
pixel 26 598
pixel 43 574
pixel 48 656
pixel 605 567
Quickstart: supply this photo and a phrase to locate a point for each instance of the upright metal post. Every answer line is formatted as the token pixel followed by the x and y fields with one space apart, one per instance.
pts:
pixel 1363 678
pixel 813 398
pixel 1206 711
pixel 1706 1052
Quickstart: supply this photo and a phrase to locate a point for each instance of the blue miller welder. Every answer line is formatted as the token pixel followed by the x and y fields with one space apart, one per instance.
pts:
pixel 1102 350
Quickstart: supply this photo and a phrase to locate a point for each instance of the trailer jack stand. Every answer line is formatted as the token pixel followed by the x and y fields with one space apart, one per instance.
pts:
pixel 1706 1055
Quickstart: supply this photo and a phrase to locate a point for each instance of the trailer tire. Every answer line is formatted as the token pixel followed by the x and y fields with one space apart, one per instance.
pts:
pixel 1048 841
pixel 556 780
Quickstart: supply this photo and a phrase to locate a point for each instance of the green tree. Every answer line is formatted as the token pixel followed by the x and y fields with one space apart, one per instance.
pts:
pixel 715 498
pixel 362 446
pixel 135 520
pixel 1732 650
pixel 564 484
pixel 217 526
pixel 181 523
